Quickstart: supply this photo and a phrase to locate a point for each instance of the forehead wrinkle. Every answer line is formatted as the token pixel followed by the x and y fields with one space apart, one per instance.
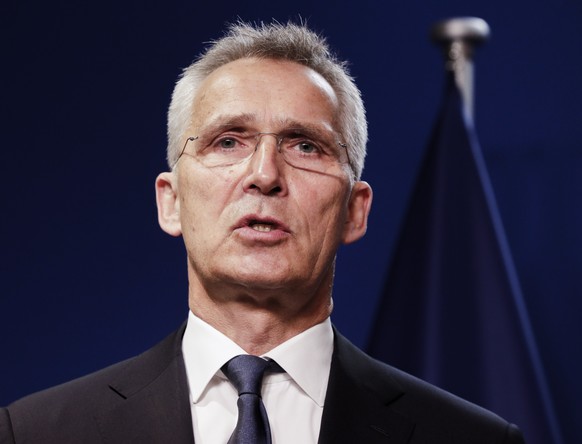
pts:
pixel 289 123
pixel 230 120
pixel 245 119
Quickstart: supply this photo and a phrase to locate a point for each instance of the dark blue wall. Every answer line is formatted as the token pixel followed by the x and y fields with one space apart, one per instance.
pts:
pixel 87 277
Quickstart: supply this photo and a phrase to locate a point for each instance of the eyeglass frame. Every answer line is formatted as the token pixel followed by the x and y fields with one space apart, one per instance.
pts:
pixel 258 135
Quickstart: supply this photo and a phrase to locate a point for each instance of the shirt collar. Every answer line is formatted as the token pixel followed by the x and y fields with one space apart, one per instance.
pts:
pixel 307 359
pixel 206 350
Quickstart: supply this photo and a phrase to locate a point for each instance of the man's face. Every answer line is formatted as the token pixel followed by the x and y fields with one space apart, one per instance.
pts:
pixel 262 225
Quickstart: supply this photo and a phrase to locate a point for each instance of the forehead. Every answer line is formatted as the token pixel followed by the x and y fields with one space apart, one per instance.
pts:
pixel 268 92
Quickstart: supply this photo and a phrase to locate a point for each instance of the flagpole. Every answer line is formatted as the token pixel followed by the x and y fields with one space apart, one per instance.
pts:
pixel 458 38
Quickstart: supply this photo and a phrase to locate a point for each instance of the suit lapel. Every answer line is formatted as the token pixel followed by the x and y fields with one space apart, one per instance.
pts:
pixel 150 399
pixel 357 401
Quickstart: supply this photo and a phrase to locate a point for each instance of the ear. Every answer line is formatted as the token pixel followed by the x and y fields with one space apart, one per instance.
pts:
pixel 168 203
pixel 358 211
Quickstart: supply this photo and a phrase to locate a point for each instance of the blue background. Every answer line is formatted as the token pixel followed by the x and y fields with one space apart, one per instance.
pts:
pixel 86 276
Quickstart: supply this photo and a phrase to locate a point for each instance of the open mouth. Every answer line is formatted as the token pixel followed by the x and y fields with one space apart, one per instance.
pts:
pixel 261 226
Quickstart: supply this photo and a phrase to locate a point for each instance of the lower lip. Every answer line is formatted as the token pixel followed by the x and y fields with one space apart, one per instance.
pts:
pixel 267 237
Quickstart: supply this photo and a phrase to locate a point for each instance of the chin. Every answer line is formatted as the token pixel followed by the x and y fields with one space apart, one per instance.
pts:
pixel 264 278
pixel 262 282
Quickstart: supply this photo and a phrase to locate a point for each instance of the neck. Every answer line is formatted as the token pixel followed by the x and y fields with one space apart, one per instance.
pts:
pixel 259 321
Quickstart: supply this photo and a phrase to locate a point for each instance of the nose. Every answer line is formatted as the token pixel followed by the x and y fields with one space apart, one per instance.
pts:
pixel 264 167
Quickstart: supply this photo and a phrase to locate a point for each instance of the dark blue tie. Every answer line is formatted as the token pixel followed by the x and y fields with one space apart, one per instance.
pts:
pixel 246 372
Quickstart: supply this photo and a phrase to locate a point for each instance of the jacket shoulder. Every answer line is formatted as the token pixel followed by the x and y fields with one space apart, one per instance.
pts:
pixel 68 412
pixel 430 411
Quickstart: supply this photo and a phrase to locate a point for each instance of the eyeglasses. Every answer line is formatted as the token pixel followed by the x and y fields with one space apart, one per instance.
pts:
pixel 311 152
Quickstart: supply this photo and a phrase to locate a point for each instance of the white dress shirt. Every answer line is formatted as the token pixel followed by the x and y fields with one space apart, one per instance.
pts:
pixel 293 400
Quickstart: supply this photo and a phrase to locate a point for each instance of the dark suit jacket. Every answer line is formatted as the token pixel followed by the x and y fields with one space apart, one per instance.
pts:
pixel 145 400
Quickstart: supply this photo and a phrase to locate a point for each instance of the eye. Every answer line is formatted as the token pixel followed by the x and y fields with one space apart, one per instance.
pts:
pixel 227 143
pixel 307 147
pixel 301 144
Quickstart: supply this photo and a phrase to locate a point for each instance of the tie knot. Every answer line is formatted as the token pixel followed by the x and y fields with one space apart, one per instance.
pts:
pixel 246 372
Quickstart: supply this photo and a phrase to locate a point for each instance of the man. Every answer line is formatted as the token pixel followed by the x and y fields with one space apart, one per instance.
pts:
pixel 266 147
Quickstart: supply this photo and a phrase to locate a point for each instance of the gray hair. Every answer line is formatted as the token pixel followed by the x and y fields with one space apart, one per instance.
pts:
pixel 290 42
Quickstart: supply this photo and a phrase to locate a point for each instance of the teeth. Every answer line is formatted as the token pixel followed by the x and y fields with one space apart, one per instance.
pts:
pixel 262 227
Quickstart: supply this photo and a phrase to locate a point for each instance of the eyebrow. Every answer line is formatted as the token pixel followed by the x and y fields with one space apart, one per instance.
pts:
pixel 222 121
pixel 225 121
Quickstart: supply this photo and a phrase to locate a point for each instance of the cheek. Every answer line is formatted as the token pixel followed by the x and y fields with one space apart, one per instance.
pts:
pixel 204 196
pixel 193 199
pixel 329 199
pixel 324 211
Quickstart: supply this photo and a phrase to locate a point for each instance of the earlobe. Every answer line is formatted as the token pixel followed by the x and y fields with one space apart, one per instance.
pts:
pixel 168 204
pixel 358 211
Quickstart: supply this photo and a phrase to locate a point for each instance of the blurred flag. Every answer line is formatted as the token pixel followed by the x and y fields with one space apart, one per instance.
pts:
pixel 452 312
